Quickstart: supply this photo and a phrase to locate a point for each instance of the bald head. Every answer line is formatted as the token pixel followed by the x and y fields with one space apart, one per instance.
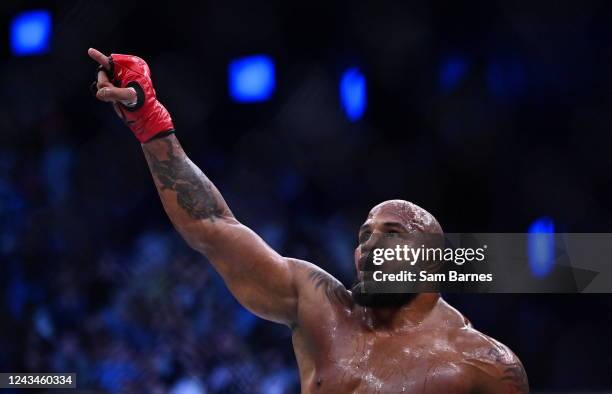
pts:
pixel 419 228
pixel 412 217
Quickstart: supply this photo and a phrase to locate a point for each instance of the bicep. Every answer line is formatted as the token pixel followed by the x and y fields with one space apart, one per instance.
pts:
pixel 268 284
pixel 261 279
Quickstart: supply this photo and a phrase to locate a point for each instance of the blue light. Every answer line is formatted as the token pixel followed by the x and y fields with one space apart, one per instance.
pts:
pixel 353 93
pixel 452 72
pixel 251 79
pixel 541 246
pixel 31 33
pixel 506 78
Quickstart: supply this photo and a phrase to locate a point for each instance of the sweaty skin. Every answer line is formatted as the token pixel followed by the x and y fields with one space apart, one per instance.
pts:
pixel 420 345
pixel 425 346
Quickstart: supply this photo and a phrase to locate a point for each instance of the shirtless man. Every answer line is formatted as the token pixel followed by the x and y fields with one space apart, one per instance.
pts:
pixel 344 341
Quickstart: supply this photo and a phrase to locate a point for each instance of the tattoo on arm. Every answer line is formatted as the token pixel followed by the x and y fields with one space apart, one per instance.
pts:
pixel 512 373
pixel 333 290
pixel 194 192
pixel 515 376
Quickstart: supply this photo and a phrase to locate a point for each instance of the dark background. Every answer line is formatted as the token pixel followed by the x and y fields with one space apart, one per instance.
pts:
pixel 95 280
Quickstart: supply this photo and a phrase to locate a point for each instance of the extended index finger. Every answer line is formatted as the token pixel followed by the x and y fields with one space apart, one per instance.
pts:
pixel 99 57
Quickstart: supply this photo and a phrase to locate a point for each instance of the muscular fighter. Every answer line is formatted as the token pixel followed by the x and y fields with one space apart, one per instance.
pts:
pixel 344 341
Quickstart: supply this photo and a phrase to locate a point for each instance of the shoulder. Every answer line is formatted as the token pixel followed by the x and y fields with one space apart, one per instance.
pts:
pixel 494 367
pixel 491 364
pixel 449 317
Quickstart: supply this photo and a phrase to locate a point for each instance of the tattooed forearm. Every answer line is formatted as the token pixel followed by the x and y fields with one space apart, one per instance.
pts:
pixel 194 192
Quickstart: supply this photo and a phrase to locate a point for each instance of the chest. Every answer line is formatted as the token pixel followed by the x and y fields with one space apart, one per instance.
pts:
pixel 366 362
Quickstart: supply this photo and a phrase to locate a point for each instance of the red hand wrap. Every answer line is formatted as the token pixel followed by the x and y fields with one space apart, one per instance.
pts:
pixel 148 117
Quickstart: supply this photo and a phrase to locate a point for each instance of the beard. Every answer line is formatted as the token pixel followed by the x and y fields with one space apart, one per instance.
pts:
pixel 379 300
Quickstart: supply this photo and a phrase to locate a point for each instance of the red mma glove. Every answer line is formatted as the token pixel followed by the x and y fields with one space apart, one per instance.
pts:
pixel 125 80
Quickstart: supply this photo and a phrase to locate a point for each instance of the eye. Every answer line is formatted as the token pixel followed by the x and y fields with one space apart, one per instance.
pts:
pixel 392 233
pixel 364 236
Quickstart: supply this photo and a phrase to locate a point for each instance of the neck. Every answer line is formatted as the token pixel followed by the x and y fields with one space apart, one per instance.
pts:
pixel 405 316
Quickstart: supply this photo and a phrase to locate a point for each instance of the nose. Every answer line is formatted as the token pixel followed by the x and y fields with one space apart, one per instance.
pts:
pixel 365 249
pixel 367 246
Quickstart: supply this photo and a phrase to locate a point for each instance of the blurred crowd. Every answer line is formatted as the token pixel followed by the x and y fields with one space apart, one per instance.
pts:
pixel 145 316
pixel 489 117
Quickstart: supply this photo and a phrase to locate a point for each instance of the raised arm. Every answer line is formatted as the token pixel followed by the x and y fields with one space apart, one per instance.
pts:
pixel 261 279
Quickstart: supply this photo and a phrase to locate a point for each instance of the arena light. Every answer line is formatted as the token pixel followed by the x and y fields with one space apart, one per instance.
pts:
pixel 353 93
pixel 452 71
pixel 541 246
pixel 30 33
pixel 251 79
pixel 506 78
